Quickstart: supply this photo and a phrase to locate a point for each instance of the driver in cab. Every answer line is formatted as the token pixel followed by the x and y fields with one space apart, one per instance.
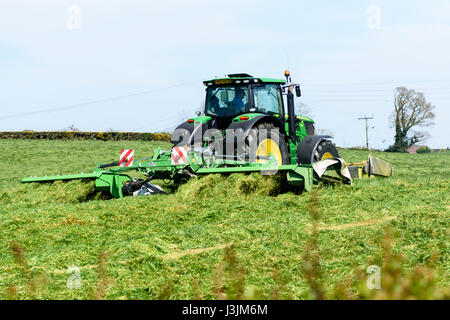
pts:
pixel 238 101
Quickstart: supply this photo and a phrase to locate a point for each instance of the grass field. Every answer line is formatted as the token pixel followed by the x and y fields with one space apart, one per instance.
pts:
pixel 220 237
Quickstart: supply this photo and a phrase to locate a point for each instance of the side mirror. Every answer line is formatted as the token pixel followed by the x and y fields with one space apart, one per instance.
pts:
pixel 298 92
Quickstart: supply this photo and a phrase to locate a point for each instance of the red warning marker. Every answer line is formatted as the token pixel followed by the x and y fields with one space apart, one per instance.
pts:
pixel 179 155
pixel 126 158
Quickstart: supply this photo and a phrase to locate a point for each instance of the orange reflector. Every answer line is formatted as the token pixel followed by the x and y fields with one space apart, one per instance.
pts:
pixel 243 118
pixel 190 121
pixel 287 73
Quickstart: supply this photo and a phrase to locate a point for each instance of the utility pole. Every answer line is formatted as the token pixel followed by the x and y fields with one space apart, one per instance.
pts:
pixel 367 128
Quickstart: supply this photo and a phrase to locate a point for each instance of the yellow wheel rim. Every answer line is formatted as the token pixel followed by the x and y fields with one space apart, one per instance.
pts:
pixel 268 147
pixel 327 156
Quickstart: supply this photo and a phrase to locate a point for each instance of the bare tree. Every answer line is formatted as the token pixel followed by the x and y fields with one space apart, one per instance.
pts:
pixel 411 110
pixel 303 109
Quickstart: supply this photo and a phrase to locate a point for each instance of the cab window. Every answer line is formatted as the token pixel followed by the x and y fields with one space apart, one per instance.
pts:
pixel 268 98
pixel 227 101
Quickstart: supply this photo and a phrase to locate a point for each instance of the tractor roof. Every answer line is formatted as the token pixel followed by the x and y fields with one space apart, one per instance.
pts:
pixel 239 78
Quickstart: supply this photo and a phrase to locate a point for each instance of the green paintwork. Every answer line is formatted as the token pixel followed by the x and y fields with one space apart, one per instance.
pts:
pixel 293 151
pixel 263 80
pixel 105 180
pixel 305 119
pixel 249 115
pixel 201 119
pixel 301 176
pixel 111 182
pixel 302 118
pixel 81 176
pixel 300 131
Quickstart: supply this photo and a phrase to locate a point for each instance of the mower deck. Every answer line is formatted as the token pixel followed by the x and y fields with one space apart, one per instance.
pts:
pixel 112 180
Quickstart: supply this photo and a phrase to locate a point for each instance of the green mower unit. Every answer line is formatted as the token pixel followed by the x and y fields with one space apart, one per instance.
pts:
pixel 244 128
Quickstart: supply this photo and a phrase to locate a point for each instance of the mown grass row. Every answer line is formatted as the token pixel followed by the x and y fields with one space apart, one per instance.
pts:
pixel 220 237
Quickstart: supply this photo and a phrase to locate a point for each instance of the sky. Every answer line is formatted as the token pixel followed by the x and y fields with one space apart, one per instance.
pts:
pixel 138 65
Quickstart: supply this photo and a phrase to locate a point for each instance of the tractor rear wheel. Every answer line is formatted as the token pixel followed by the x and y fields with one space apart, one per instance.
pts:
pixel 262 144
pixel 325 150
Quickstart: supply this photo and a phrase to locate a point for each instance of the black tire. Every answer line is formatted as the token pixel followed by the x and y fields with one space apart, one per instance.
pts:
pixel 325 149
pixel 274 134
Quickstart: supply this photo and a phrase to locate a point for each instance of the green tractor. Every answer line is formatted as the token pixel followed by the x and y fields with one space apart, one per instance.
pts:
pixel 244 129
pixel 255 107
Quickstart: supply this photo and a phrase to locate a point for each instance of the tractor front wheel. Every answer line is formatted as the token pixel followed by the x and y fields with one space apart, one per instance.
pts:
pixel 325 150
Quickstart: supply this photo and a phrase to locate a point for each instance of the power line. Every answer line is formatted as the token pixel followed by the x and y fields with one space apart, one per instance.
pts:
pixel 155 122
pixel 348 99
pixel 387 91
pixel 83 104
pixel 362 98
pixel 346 95
pixel 338 95
pixel 372 83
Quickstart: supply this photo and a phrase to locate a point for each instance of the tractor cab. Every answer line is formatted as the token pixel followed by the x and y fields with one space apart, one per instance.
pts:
pixel 241 93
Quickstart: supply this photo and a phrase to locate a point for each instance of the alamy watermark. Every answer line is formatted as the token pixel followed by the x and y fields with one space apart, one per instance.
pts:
pixel 373 21
pixel 74 280
pixel 73 21
pixel 374 280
